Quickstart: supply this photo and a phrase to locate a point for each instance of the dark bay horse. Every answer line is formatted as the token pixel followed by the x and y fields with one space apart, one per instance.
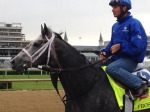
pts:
pixel 87 88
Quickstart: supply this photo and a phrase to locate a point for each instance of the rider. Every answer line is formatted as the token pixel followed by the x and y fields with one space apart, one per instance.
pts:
pixel 127 48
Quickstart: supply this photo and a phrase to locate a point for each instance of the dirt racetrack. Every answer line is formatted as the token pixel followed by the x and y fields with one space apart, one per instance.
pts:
pixel 31 101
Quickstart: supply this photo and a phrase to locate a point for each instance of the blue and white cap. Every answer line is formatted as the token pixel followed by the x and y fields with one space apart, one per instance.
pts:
pixel 126 3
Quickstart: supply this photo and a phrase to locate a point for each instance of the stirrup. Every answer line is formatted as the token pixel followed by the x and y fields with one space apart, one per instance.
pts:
pixel 131 96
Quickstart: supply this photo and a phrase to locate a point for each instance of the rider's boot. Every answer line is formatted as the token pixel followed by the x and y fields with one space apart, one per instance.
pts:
pixel 142 90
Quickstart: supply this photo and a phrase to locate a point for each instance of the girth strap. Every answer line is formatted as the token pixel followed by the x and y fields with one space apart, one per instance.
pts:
pixel 128 104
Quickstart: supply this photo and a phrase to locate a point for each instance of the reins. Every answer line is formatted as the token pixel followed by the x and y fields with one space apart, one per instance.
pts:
pixel 47 68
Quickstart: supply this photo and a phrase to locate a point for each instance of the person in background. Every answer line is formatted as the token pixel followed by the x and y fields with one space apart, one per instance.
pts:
pixel 127 48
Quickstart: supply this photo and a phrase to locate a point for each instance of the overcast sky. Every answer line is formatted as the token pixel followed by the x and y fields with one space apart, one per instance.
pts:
pixel 83 20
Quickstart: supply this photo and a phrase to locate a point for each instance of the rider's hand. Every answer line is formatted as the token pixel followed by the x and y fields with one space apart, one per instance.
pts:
pixel 103 57
pixel 115 48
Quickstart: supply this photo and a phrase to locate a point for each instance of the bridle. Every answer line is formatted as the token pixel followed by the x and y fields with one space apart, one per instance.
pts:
pixel 39 52
pixel 35 56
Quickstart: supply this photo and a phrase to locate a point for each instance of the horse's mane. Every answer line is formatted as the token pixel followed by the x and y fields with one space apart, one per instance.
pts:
pixel 78 54
pixel 58 35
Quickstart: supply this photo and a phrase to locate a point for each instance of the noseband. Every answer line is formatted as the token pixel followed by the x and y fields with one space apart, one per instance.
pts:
pixel 39 52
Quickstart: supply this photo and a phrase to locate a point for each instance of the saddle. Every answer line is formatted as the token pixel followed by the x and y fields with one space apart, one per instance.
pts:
pixel 140 72
pixel 124 95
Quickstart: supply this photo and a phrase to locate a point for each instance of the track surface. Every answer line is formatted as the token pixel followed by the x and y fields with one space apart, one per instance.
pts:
pixel 30 101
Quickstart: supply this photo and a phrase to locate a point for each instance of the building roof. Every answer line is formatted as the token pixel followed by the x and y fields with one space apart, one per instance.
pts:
pixel 90 54
pixel 5 58
pixel 65 37
pixel 100 38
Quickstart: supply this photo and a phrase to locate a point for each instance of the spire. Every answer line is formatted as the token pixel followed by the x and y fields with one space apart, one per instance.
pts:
pixel 65 37
pixel 101 42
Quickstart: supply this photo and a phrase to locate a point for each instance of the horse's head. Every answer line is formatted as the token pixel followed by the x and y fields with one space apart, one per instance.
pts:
pixel 37 52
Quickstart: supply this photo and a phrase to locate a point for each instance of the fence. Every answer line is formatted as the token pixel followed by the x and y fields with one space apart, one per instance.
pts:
pixel 7 83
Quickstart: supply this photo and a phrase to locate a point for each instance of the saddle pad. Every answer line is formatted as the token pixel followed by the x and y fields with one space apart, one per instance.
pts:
pixel 139 104
pixel 144 74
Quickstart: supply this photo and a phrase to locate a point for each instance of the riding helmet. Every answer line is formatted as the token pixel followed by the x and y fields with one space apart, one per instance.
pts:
pixel 126 3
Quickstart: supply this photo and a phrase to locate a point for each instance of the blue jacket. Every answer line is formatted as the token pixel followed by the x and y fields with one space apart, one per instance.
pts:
pixel 131 35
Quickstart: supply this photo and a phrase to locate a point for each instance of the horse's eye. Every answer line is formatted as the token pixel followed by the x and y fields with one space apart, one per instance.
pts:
pixel 37 43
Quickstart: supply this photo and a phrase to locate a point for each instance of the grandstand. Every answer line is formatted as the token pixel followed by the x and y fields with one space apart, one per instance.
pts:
pixel 12 40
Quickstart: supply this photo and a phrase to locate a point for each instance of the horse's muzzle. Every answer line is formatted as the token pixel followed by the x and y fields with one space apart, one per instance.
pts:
pixel 23 68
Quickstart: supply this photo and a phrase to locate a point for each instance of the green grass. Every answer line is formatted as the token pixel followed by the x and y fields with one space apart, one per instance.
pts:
pixel 34 86
pixel 24 76
pixel 44 85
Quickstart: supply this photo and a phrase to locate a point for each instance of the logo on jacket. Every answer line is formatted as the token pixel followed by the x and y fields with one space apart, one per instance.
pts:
pixel 125 29
pixel 139 37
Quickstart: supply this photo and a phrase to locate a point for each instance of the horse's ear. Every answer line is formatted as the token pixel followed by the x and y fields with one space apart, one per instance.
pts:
pixel 42 30
pixel 46 30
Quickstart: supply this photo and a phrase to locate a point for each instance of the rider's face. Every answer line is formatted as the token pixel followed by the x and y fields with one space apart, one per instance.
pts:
pixel 116 10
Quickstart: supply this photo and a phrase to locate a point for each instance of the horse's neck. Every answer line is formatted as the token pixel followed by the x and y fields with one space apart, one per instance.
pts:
pixel 73 60
pixel 78 81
